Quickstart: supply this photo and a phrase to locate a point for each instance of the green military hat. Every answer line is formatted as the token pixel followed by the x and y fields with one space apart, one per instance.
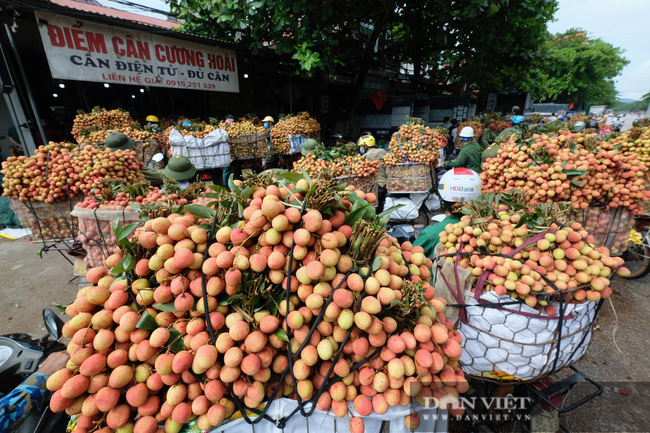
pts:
pixel 488 122
pixel 308 146
pixel 179 168
pixel 230 116
pixel 118 141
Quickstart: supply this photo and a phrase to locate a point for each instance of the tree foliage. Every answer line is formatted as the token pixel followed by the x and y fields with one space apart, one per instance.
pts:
pixel 634 105
pixel 488 42
pixel 472 37
pixel 316 34
pixel 577 69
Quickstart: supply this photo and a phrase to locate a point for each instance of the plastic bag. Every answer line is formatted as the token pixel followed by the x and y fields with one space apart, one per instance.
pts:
pixel 212 151
pixel 327 422
pixel 408 212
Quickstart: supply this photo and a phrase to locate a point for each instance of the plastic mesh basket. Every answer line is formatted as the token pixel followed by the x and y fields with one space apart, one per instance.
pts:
pixel 248 146
pixel 414 177
pixel 609 228
pixel 96 232
pixel 47 221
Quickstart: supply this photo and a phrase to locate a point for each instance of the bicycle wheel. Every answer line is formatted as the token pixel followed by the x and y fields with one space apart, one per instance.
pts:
pixel 637 260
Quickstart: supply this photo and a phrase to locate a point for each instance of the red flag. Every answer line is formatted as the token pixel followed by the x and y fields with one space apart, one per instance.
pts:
pixel 379 98
pixel 571 105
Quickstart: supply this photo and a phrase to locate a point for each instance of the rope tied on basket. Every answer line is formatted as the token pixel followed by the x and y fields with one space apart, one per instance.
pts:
pixel 280 423
pixel 406 159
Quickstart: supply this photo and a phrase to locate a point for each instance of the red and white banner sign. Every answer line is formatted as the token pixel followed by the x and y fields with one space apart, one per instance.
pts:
pixel 78 50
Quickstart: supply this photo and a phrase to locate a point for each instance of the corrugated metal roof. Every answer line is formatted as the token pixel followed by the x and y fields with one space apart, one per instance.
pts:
pixel 116 13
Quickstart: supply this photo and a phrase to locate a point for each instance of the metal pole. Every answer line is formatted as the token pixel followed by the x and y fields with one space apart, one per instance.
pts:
pixel 32 102
pixel 14 104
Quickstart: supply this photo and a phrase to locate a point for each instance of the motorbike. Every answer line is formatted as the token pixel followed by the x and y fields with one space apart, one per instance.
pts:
pixel 617 124
pixel 637 255
pixel 20 356
pixel 533 407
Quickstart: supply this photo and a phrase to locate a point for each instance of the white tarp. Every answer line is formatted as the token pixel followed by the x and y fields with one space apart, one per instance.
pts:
pixel 211 151
pixel 411 204
pixel 321 421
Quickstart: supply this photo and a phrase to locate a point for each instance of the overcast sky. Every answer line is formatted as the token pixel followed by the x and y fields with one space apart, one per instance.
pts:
pixel 623 23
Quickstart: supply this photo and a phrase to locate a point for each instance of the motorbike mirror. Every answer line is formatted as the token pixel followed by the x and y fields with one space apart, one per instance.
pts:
pixel 157 157
pixel 53 324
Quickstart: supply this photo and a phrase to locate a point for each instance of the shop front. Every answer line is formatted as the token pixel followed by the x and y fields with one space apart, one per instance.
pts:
pixel 60 59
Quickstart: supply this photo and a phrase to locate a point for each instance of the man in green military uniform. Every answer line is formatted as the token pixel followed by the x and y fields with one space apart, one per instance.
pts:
pixel 368 148
pixel 120 141
pixel 470 154
pixel 488 135
pixel 490 152
pixel 457 186
pixel 180 169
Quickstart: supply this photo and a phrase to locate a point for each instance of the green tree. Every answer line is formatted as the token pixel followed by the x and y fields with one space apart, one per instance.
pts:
pixel 315 34
pixel 634 105
pixel 575 68
pixel 361 34
pixel 488 42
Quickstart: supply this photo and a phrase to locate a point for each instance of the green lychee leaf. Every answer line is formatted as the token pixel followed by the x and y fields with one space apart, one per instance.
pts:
pixel 200 211
pixel 168 307
pixel 376 264
pixel 59 306
pixel 126 264
pixel 116 223
pixel 292 177
pixel 147 322
pixel 175 342
pixel 125 231
pixel 246 192
pixel 231 299
pixel 282 335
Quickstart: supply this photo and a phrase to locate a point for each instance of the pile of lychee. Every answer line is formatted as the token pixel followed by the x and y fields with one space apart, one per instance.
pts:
pixel 122 200
pixel 563 261
pixel 414 143
pixel 560 168
pixel 128 373
pixel 346 166
pixel 302 124
pixel 58 168
pixel 635 141
pixel 93 127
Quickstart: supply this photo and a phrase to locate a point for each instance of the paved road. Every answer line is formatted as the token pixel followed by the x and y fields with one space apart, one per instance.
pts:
pixel 627 124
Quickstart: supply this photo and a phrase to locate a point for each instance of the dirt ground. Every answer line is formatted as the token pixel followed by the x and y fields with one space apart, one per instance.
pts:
pixel 29 284
pixel 38 282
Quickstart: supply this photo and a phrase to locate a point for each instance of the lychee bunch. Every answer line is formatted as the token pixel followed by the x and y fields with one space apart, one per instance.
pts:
pixel 141 349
